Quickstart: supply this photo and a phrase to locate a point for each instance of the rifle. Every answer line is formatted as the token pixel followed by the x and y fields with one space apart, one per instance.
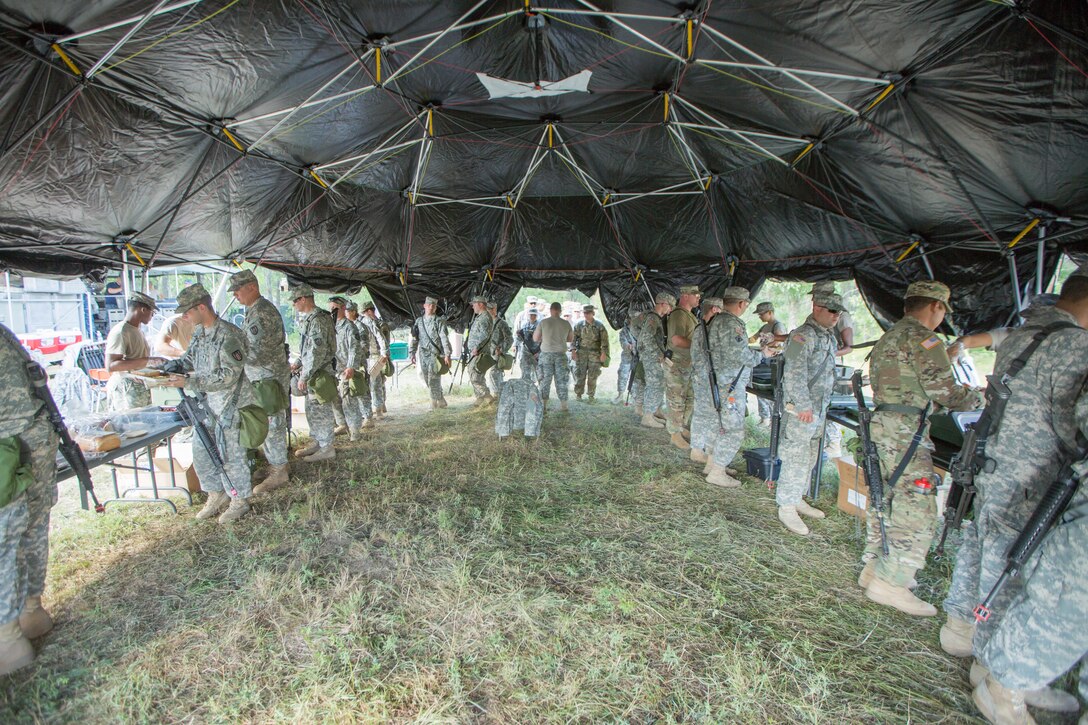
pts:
pixel 870 460
pixel 631 376
pixel 1046 514
pixel 972 458
pixel 195 412
pixel 715 393
pixel 39 387
pixel 287 352
pixel 777 365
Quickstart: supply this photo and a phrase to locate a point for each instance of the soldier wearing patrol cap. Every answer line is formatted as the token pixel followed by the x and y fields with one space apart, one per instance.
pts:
pixel 502 340
pixel 680 327
pixel 267 368
pixel 704 418
pixel 215 362
pixel 807 381
pixel 377 354
pixel 352 345
pixel 480 341
pixel 589 352
pixel 651 351
pixel 770 337
pixel 126 350
pixel 317 354
pixel 431 340
pixel 910 373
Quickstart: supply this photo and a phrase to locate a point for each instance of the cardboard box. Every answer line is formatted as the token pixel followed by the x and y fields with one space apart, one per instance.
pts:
pixel 853 493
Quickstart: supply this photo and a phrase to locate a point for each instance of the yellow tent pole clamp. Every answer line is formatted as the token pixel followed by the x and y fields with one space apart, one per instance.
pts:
pixel 706 184
pixel 1031 225
pixel 378 66
pixel 430 122
pixel 879 99
pixel 638 273
pixel 804 152
pixel 732 266
pixel 607 196
pixel 691 44
pixel 907 251
pixel 66 58
pixel 318 179
pixel 666 107
pixel 551 134
pixel 237 263
pixel 230 137
pixel 510 201
pixel 489 274
pixel 134 253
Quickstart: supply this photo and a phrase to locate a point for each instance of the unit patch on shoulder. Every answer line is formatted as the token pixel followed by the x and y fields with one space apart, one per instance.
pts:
pixel 931 342
pixel 799 339
pixel 237 355
pixel 255 330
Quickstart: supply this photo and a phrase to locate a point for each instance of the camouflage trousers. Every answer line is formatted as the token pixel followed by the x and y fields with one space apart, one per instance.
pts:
pixel 520 408
pixel 798 447
pixel 680 398
pixel 234 477
pixel 377 384
pixel 725 444
pixel 479 382
pixel 275 445
pixel 627 363
pixel 911 516
pixel 553 366
pixel 1042 634
pixel 24 523
pixel 357 408
pixel 125 393
pixel 494 380
pixel 653 390
pixel 321 420
pixel 528 365
pixel 428 372
pixel 587 368
pixel 338 410
pixel 704 419
pixel 766 408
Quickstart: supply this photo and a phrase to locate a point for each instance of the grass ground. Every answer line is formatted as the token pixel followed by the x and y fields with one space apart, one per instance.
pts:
pixel 432 573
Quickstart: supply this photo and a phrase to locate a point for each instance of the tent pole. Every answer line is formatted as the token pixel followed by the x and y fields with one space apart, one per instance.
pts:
pixel 293 109
pixel 11 310
pixel 438 37
pixel 129 21
pixel 124 39
pixel 615 19
pixel 42 120
pixel 1040 260
pixel 1016 287
pixel 739 134
pixel 798 71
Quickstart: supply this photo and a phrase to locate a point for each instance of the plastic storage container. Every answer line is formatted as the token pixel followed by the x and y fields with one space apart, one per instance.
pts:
pixel 759 464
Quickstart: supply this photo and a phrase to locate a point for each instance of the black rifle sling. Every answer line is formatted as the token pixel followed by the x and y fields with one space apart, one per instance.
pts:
pixel 1022 359
pixel 911 449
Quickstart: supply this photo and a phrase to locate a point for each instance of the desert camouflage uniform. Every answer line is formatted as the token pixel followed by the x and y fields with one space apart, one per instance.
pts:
pixel 351 353
pixel 807 379
pixel 731 354
pixel 647 328
pixel 216 361
pixel 318 353
pixel 266 359
pixel 1028 448
pixel 628 350
pixel 704 419
pixel 590 340
pixel 481 337
pixel 774 328
pixel 678 391
pixel 502 341
pixel 377 349
pixel 1043 634
pixel 24 522
pixel 909 368
pixel 520 408
pixel 430 339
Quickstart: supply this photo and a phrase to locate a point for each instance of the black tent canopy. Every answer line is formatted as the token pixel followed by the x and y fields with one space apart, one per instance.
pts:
pixel 450 147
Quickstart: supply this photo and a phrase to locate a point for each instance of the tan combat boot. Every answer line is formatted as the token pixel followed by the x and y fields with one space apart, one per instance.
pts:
pixel 648 421
pixel 441 404
pixel 698 455
pixel 378 414
pixel 563 406
pixel 709 465
pixel 956 635
pixel 638 410
pixel 34 621
pixel 1045 698
pixel 678 440
pixel 718 477
pixel 308 450
pixel 339 430
pixel 326 453
pixel 239 507
pixel 368 423
pixel 276 478
pixel 1000 705
pixel 789 518
pixel 899 598
pixel 15 649
pixel 217 501
pixel 805 510
pixel 867 574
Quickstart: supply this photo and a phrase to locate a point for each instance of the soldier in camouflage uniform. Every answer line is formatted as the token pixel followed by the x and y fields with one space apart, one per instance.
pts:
pixel 24 518
pixel 553 356
pixel 590 350
pixel 733 363
pixel 910 373
pixel 503 340
pixel 317 353
pixel 127 350
pixel 527 348
pixel 680 327
pixel 628 345
pixel 704 418
pixel 767 337
pixel 352 345
pixel 1044 416
pixel 266 364
pixel 215 361
pixel 377 354
pixel 431 340
pixel 481 339
pixel 808 378
pixel 651 350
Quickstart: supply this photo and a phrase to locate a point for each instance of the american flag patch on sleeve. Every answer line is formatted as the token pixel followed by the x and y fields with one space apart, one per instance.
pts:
pixel 931 342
